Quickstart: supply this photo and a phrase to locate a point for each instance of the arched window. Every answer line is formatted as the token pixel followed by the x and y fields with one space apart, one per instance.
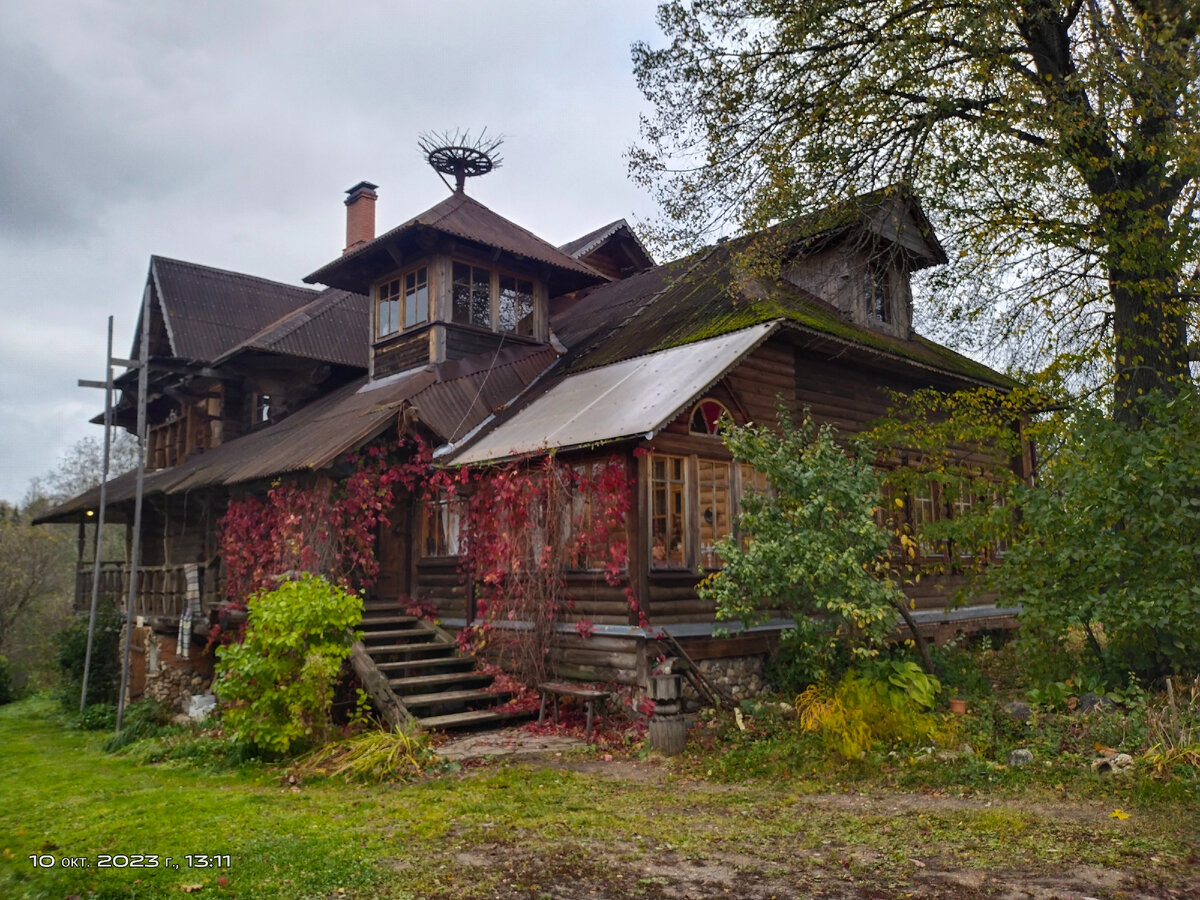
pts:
pixel 705 416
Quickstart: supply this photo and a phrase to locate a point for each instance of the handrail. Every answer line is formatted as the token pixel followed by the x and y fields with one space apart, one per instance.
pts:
pixel 161 590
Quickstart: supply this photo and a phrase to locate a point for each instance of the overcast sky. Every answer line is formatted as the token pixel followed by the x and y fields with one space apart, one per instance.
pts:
pixel 225 133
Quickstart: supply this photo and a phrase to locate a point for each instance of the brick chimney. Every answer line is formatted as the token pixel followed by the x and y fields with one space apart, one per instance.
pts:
pixel 360 215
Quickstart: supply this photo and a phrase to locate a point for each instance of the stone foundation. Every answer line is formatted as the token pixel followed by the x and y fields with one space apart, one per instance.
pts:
pixel 740 676
pixel 158 673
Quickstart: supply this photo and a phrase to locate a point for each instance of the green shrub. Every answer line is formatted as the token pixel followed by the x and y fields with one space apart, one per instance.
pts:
pixel 815 551
pixel 97 717
pixel 797 663
pixel 888 706
pixel 277 685
pixel 1113 527
pixel 7 692
pixel 104 680
pixel 143 719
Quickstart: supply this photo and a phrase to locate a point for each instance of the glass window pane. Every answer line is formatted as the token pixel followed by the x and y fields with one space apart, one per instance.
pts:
pixel 415 297
pixel 422 302
pixel 667 516
pixel 461 294
pixel 715 517
pixel 481 298
pixel 525 308
pixel 387 307
pixel 508 303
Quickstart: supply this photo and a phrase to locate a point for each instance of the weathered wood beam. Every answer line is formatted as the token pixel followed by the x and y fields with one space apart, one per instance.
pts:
pixel 376 684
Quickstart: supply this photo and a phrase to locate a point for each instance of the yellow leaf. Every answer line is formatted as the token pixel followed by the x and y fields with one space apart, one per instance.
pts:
pixel 1118 814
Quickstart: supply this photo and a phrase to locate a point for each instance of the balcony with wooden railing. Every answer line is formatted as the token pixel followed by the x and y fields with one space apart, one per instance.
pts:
pixel 161 590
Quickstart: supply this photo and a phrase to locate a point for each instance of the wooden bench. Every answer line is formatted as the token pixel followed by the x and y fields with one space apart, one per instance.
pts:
pixel 556 689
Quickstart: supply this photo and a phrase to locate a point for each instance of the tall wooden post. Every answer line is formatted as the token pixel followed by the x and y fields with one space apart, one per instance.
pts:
pixel 143 384
pixel 108 386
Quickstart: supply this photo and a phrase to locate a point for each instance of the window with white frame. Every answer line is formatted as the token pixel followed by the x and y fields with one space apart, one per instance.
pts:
pixel 402 302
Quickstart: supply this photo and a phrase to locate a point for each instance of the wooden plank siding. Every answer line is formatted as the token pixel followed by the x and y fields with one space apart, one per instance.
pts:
pixel 401 352
pixel 849 394
pixel 439 582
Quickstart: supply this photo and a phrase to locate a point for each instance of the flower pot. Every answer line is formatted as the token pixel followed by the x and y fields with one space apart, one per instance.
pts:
pixel 958 706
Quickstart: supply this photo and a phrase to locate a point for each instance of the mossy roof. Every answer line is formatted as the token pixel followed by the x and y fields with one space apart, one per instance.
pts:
pixel 709 294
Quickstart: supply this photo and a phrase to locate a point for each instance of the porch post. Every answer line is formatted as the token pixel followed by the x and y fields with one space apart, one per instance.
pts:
pixel 637 534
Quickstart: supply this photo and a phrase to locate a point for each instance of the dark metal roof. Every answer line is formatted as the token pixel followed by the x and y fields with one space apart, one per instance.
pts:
pixel 462 217
pixel 591 240
pixel 451 399
pixel 454 406
pixel 333 328
pixel 208 311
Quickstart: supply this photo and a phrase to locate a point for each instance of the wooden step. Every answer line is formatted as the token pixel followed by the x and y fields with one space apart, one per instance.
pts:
pixel 416 633
pixel 458 662
pixel 448 697
pixel 469 719
pixel 382 621
pixel 416 684
pixel 401 634
pixel 408 650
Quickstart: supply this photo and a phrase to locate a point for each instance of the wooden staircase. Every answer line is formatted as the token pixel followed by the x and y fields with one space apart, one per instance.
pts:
pixel 415 675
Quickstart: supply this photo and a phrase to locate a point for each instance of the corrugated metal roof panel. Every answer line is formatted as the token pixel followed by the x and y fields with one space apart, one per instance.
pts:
pixel 333 328
pixel 632 397
pixel 455 406
pixel 316 435
pixel 211 310
pixel 311 438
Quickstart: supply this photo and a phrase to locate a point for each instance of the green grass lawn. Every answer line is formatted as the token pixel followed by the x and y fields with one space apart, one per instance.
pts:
pixel 566 828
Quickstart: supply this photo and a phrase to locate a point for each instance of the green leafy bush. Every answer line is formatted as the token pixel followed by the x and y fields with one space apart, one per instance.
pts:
pixel 867 709
pixel 143 719
pixel 104 680
pixel 7 692
pixel 815 550
pixel 1112 531
pixel 97 717
pixel 277 685
pixel 796 663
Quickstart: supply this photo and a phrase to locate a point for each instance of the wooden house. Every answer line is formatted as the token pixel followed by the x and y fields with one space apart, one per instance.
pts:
pixel 492 343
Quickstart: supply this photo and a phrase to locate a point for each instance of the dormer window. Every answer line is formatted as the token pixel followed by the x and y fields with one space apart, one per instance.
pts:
pixel 402 302
pixel 875 292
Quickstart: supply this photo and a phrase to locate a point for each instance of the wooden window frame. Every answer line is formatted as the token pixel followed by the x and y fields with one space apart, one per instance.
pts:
pixel 496 298
pixel 403 302
pixel 697 537
pixel 675 523
pixel 697 409
pixel 877 299
pixel 710 529
pixel 440 514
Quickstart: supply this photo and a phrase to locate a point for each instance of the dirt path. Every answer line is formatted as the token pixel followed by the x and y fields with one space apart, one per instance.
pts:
pixel 1033 850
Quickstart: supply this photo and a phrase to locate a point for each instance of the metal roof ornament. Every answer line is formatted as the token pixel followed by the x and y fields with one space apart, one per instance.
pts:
pixel 460 155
